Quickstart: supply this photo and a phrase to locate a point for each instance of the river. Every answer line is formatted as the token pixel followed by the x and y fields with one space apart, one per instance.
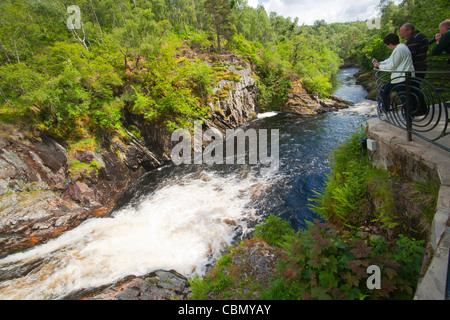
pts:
pixel 182 217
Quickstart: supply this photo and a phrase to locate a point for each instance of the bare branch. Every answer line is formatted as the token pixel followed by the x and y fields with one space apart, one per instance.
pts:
pixel 82 41
pixel 15 46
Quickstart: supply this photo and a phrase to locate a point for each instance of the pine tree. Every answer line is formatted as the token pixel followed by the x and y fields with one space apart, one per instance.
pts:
pixel 221 18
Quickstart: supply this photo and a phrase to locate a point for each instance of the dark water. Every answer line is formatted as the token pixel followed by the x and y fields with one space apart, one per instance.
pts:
pixel 306 144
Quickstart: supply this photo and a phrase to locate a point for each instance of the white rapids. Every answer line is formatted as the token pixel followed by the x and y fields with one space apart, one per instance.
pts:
pixel 183 226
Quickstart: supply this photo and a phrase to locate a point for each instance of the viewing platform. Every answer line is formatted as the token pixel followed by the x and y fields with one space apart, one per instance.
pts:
pixel 412 137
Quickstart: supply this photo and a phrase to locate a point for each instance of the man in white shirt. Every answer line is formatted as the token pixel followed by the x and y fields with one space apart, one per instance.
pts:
pixel 398 63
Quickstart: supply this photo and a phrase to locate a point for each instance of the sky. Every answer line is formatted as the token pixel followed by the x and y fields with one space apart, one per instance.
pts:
pixel 331 11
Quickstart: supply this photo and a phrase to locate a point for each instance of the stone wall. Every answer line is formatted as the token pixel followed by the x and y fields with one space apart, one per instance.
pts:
pixel 414 160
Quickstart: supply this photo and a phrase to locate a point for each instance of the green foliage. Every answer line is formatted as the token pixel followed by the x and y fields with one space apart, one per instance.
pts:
pixel 220 19
pixel 76 84
pixel 178 90
pixel 63 104
pixel 273 80
pixel 81 169
pixel 202 287
pixel 274 230
pixel 428 194
pixel 244 47
pixel 346 186
pixel 358 196
pixel 373 47
pixel 217 283
pixel 18 79
pixel 325 264
pixel 126 57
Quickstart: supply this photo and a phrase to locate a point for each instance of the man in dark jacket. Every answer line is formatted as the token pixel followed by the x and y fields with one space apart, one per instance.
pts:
pixel 442 39
pixel 417 43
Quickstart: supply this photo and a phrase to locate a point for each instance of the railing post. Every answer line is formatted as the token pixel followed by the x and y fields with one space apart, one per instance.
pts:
pixel 408 108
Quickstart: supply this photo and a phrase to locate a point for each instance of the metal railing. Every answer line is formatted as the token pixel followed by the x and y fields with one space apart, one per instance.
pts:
pixel 417 102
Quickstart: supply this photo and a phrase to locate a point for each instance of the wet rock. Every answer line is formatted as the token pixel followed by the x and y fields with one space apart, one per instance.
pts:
pixel 236 101
pixel 256 260
pixel 253 263
pixel 39 197
pixel 159 285
pixel 52 153
pixel 77 190
pixel 300 102
pixel 85 156
pixel 28 219
pixel 344 103
pixel 369 82
pixel 134 158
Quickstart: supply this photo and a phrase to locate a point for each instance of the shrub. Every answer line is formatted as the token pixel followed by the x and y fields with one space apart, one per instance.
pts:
pixel 274 230
pixel 346 187
pixel 216 283
pixel 324 263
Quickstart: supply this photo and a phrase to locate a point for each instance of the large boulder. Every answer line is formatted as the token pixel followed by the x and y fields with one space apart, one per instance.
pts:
pixel 253 265
pixel 159 285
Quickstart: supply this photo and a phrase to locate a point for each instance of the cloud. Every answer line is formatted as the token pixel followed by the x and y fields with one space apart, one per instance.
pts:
pixel 253 3
pixel 331 11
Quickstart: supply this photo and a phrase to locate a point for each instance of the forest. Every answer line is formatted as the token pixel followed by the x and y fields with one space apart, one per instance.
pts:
pixel 71 73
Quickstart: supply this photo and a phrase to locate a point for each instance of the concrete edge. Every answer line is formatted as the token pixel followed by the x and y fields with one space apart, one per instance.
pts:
pixel 433 285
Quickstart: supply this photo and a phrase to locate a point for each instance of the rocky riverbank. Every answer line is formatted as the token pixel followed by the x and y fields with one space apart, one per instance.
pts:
pixel 252 266
pixel 301 102
pixel 42 194
pixel 369 82
pixel 158 285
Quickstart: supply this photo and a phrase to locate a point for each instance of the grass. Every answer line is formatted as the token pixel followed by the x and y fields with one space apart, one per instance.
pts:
pixel 11 113
pixel 427 196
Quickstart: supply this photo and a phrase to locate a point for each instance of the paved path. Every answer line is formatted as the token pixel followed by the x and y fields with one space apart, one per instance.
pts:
pixel 434 126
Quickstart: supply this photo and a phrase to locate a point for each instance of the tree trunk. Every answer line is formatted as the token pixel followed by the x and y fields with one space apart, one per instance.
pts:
pixel 218 40
pixel 15 46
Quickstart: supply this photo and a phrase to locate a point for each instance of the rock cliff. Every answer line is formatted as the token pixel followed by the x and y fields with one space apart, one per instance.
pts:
pixel 301 102
pixel 42 195
pixel 234 101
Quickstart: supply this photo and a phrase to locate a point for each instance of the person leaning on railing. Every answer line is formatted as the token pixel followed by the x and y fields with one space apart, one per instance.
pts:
pixel 417 43
pixel 442 39
pixel 398 63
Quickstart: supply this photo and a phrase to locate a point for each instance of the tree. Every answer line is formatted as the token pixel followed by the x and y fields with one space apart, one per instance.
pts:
pixel 221 18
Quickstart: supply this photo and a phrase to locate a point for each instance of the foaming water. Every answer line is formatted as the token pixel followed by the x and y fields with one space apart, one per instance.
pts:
pixel 181 226
pixel 267 115
pixel 363 108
